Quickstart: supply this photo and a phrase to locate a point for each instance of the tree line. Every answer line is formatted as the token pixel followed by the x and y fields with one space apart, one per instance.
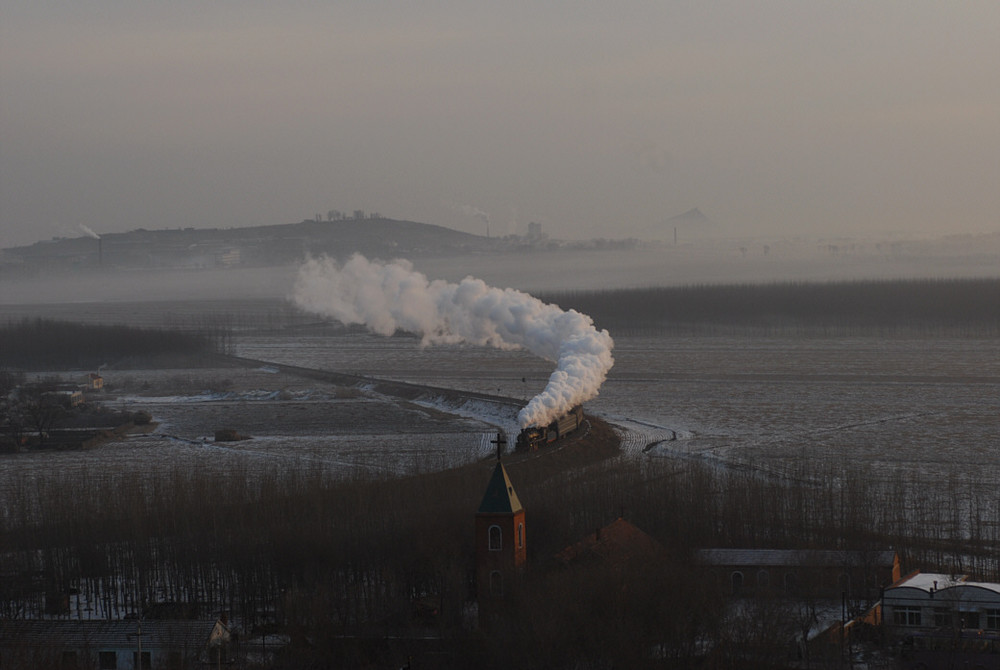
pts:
pixel 328 560
pixel 926 307
pixel 47 344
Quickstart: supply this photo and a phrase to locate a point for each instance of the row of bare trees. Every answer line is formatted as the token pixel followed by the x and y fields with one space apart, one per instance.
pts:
pixel 927 307
pixel 47 344
pixel 326 558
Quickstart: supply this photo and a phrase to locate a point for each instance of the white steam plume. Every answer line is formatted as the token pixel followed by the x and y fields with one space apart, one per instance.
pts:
pixel 89 232
pixel 387 297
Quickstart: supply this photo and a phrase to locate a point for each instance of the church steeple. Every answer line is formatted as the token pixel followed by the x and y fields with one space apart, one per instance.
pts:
pixel 500 540
pixel 500 497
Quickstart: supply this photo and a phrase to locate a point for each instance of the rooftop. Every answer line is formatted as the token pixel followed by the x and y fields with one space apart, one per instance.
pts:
pixel 500 497
pixel 96 634
pixel 796 557
pixel 617 543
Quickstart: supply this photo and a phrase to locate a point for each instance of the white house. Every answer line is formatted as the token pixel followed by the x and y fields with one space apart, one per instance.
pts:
pixel 929 601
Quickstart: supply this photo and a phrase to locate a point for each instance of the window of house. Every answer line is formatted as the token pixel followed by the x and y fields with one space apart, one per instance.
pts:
pixel 737 581
pixel 496 584
pixel 763 579
pixel 942 617
pixel 791 583
pixel 993 619
pixel 906 616
pixel 107 660
pixel 496 538
pixel 68 660
pixel 147 661
pixel 520 535
pixel 969 619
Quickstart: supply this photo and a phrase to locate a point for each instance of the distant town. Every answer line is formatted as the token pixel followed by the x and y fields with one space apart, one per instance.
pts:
pixel 337 235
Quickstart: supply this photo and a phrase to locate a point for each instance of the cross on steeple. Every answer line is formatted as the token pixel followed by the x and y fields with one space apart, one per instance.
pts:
pixel 501 442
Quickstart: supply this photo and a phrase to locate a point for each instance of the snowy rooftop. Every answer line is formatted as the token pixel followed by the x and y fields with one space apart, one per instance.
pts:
pixel 928 581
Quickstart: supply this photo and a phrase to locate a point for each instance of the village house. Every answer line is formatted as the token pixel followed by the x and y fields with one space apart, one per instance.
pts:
pixel 95 382
pixel 939 620
pixel 925 602
pixel 113 645
pixel 614 546
pixel 857 576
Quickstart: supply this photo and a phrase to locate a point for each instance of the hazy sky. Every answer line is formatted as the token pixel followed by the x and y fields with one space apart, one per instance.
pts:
pixel 595 120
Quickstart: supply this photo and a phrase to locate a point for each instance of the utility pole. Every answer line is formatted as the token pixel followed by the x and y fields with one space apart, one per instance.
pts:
pixel 138 643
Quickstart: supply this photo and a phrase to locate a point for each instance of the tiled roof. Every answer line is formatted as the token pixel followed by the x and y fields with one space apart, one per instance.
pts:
pixel 616 543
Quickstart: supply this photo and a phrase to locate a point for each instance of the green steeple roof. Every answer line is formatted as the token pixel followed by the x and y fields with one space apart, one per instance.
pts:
pixel 500 497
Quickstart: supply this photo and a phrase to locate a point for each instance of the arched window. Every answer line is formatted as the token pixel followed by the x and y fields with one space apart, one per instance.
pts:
pixel 791 583
pixel 763 579
pixel 520 535
pixel 737 581
pixel 496 584
pixel 496 538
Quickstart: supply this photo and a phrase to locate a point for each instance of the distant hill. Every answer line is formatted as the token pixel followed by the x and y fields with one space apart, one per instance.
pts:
pixel 257 246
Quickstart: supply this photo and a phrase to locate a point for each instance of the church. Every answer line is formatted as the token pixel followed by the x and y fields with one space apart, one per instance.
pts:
pixel 501 552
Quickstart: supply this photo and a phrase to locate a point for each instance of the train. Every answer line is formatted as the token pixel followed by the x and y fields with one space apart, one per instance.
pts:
pixel 533 437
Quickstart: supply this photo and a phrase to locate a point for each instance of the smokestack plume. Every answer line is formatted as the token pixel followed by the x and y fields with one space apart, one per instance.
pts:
pixel 89 232
pixel 100 243
pixel 386 297
pixel 470 210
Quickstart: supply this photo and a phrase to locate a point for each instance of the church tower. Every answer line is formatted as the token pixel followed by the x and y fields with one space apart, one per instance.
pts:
pixel 500 541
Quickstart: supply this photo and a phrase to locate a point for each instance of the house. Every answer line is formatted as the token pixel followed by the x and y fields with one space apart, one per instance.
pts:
pixel 804 573
pixel 924 602
pixel 113 645
pixel 95 382
pixel 614 546
pixel 939 620
pixel 65 397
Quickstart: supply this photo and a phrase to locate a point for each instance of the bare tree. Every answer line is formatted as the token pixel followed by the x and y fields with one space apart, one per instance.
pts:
pixel 39 409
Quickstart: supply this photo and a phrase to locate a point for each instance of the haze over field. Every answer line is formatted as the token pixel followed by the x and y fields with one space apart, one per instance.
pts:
pixel 813 119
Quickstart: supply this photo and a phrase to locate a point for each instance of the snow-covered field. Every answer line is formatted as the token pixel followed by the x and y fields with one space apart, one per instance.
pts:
pixel 931 405
pixel 924 406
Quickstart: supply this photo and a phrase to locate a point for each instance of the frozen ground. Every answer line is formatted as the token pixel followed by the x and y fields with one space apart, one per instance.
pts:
pixel 290 422
pixel 927 407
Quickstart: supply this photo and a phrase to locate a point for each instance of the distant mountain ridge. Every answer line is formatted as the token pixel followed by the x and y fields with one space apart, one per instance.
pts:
pixel 268 245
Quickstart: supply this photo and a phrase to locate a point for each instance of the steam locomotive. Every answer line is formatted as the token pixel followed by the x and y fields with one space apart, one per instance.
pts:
pixel 533 437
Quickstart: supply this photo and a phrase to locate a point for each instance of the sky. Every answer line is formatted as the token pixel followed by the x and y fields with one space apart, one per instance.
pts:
pixel 782 117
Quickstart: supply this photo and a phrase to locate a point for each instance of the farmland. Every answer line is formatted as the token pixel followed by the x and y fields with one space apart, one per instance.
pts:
pixel 732 437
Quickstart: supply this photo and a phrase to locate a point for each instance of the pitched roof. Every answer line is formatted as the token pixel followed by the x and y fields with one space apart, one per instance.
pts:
pixel 95 634
pixel 617 543
pixel 500 497
pixel 795 557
